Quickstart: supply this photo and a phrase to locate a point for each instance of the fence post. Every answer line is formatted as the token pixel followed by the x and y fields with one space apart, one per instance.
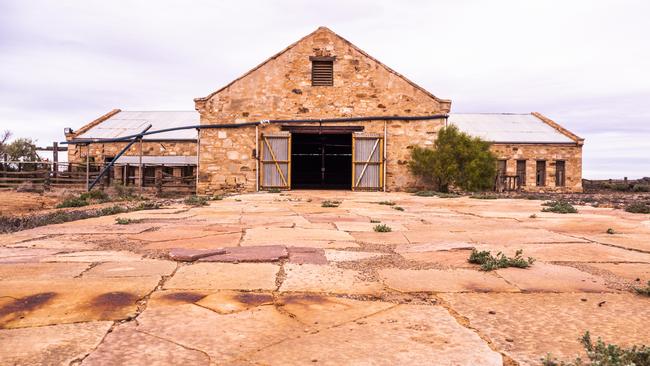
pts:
pixel 55 158
pixel 46 180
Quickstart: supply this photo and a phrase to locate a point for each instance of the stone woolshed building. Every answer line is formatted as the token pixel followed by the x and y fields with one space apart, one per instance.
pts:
pixel 322 113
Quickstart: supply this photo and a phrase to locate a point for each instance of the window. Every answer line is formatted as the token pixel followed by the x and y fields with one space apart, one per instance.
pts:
pixel 540 173
pixel 322 71
pixel 560 170
pixel 501 167
pixel 521 172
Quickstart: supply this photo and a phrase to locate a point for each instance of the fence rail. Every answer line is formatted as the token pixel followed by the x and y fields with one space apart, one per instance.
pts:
pixel 45 175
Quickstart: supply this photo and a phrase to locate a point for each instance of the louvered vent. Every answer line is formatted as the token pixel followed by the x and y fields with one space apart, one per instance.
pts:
pixel 322 72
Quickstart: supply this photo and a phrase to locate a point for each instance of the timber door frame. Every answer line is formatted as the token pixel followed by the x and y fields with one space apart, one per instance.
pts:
pixel 368 161
pixel 266 147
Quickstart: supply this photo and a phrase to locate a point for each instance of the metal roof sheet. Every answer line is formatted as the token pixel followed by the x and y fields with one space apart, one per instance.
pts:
pixel 126 123
pixel 523 128
pixel 158 160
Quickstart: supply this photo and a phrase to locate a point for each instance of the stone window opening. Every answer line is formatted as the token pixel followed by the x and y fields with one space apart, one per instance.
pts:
pixel 560 173
pixel 521 172
pixel 322 71
pixel 540 176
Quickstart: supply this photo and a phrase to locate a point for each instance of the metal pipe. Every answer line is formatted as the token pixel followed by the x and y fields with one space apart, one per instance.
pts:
pixel 107 167
pixel 272 121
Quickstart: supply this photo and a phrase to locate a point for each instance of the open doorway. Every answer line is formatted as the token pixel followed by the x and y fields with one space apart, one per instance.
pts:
pixel 321 161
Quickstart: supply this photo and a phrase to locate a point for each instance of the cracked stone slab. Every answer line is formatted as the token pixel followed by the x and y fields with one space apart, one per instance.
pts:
pixel 260 253
pixel 366 226
pixel 24 255
pixel 125 345
pixel 520 324
pixel 293 236
pixel 145 267
pixel 207 241
pixel 587 252
pixel 300 255
pixel 227 302
pixel 319 311
pixel 401 335
pixel 29 303
pixel 393 237
pixel 545 277
pixel 58 243
pixel 329 279
pixel 94 256
pixel 190 255
pixel 456 258
pixel 224 337
pixel 40 271
pixel 50 345
pixel 225 276
pixel 435 280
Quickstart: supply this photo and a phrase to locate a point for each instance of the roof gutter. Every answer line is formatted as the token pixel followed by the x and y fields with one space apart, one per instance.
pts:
pixel 263 122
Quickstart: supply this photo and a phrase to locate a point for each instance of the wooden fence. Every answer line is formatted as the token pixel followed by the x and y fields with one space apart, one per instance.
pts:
pixel 46 175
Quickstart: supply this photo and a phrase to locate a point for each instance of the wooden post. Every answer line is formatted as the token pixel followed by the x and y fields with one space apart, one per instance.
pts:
pixel 140 172
pixel 87 166
pixel 55 158
pixel 198 153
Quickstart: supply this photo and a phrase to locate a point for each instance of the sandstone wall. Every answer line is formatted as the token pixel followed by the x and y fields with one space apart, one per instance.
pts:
pixel 571 154
pixel 227 160
pixel 281 89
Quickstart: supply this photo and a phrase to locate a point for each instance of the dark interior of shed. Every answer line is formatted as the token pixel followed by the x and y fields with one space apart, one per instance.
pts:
pixel 321 161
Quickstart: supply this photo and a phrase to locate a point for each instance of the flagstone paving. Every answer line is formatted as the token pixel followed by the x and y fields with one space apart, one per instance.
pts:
pixel 277 279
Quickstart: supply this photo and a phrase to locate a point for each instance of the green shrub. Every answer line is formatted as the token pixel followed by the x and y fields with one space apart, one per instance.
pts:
pixel 73 202
pixel 196 200
pixel 602 354
pixel 147 206
pixel 425 193
pixel 645 291
pixel 489 262
pixel 457 159
pixel 398 208
pixel 638 207
pixel 559 206
pixel 217 197
pixel 610 231
pixel 96 195
pixel 641 188
pixel 328 203
pixel 387 203
pixel 484 196
pixel 112 210
pixel 126 221
pixel 382 228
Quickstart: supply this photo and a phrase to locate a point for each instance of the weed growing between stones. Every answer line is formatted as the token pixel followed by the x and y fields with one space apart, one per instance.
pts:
pixel 533 216
pixel 382 228
pixel 398 208
pixel 602 354
pixel 196 201
pixel 638 207
pixel 328 203
pixel 610 231
pixel 645 291
pixel 126 221
pixel 386 203
pixel 560 206
pixel 374 221
pixel 489 262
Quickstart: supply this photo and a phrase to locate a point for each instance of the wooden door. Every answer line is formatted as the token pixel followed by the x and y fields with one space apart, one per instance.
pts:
pixel 275 169
pixel 367 161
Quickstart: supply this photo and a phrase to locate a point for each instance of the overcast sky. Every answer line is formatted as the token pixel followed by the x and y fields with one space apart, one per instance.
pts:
pixel 585 64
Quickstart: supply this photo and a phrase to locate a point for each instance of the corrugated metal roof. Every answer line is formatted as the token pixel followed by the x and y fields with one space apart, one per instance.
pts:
pixel 127 123
pixel 158 160
pixel 523 128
